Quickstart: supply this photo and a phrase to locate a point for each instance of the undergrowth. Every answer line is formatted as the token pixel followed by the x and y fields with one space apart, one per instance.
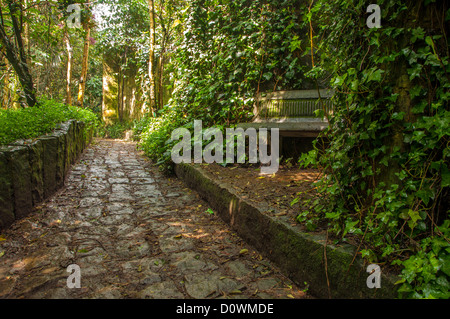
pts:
pixel 29 123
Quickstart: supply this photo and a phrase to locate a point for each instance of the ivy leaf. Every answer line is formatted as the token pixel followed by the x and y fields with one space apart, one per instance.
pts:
pixel 375 76
pixel 445 176
pixel 425 195
pixel 415 71
pixel 295 44
pixel 339 80
pixel 430 42
pixel 417 33
pixel 445 268
pixel 350 227
pixel 398 116
pixel 267 76
pixel 414 217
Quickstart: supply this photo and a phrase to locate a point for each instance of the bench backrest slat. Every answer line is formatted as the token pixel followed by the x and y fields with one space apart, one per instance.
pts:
pixel 292 104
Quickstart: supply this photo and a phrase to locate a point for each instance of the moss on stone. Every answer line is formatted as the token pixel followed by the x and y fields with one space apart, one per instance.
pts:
pixel 301 256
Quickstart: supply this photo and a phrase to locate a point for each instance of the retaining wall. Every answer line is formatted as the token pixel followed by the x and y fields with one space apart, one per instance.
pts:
pixel 33 170
pixel 330 271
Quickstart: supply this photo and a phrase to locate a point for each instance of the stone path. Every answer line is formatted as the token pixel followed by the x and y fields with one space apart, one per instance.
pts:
pixel 134 234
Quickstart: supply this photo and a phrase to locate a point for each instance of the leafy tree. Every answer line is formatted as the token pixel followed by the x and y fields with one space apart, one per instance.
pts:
pixel 14 50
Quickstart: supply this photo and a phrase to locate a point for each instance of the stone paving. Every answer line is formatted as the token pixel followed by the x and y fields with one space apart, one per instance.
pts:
pixel 134 233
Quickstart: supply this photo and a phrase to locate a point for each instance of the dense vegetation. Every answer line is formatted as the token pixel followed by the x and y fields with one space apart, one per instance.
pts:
pixel 226 56
pixel 28 123
pixel 386 164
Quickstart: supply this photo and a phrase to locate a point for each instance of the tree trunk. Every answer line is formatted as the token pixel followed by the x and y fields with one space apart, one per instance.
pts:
pixel 69 68
pixel 151 62
pixel 6 91
pixel 26 33
pixel 84 67
pixel 17 57
pixel 161 81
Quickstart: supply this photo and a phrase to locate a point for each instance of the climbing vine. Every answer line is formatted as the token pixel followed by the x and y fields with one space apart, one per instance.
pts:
pixel 227 53
pixel 387 163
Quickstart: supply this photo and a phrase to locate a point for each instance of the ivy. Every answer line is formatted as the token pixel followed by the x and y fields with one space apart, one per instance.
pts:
pixel 227 53
pixel 387 164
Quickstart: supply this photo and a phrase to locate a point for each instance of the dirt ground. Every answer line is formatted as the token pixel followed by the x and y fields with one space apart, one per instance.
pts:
pixel 282 194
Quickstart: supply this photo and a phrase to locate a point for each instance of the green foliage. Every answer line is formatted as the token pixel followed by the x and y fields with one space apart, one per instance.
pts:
pixel 227 53
pixel 33 122
pixel 387 164
pixel 426 274
pixel 155 138
pixel 115 131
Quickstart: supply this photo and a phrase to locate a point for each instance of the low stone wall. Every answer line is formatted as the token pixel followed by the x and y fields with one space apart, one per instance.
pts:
pixel 33 170
pixel 331 272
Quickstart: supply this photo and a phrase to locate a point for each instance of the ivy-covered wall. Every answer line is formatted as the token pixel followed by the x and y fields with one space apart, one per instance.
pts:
pixel 387 165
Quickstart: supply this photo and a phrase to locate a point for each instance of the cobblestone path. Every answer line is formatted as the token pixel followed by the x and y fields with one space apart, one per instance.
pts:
pixel 134 234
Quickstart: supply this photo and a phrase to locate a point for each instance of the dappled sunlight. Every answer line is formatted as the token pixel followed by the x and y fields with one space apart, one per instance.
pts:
pixel 336 122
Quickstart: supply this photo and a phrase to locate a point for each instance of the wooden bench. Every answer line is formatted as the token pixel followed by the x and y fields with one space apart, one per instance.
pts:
pixel 292 112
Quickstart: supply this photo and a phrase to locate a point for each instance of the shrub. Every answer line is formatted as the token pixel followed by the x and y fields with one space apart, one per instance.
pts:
pixel 33 122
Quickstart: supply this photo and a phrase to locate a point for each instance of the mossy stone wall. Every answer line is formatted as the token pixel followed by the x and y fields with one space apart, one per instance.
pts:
pixel 33 170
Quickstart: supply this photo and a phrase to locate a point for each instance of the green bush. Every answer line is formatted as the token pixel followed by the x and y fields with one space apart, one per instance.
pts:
pixel 33 122
pixel 155 134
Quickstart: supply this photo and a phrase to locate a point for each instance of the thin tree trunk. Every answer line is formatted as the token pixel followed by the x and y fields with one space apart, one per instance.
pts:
pixel 26 33
pixel 161 80
pixel 84 67
pixel 69 68
pixel 6 91
pixel 151 62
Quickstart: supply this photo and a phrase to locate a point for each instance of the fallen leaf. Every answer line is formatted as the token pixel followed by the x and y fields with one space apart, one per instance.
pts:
pixel 281 213
pixel 243 251
pixel 290 296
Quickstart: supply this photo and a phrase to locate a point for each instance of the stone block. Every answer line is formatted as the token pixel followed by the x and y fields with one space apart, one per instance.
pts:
pixel 69 153
pixel 78 134
pixel 36 151
pixel 71 144
pixel 36 160
pixel 6 193
pixel 19 165
pixel 50 145
pixel 60 157
pixel 81 137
